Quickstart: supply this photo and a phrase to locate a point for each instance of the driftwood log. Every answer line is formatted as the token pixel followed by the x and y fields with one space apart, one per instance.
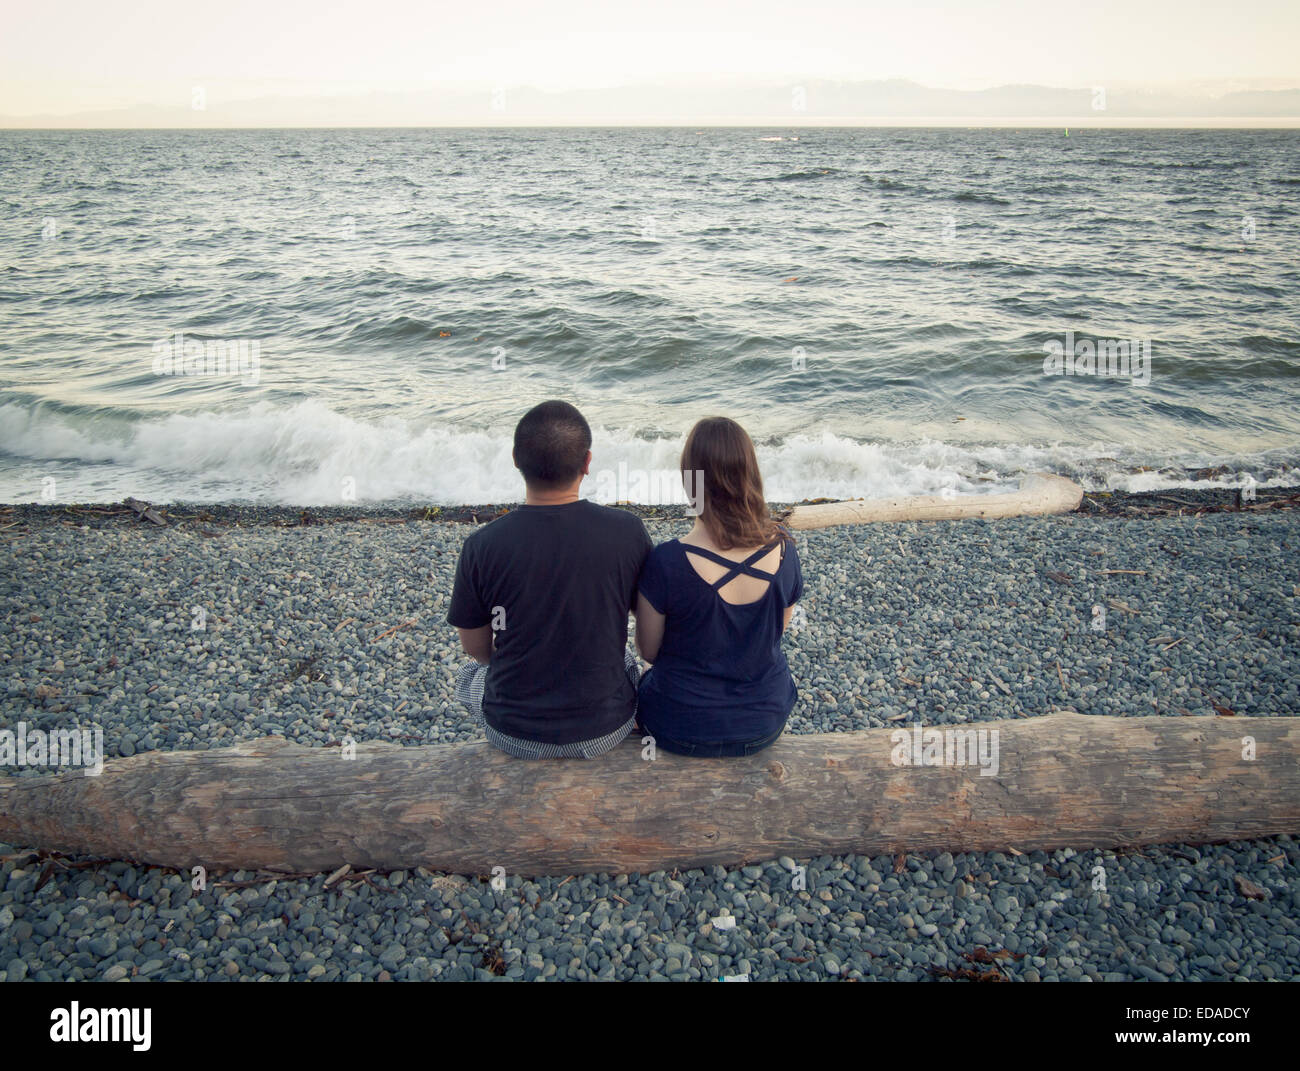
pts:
pixel 1039 494
pixel 1063 780
pixel 143 509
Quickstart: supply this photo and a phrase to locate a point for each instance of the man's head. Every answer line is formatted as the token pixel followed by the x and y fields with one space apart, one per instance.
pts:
pixel 552 446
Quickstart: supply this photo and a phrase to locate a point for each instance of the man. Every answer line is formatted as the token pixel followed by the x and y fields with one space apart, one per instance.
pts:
pixel 541 601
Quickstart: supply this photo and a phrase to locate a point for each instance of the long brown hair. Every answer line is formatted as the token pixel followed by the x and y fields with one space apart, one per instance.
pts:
pixel 720 473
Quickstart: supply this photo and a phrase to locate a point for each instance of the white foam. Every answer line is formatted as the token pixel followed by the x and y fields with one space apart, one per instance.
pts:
pixel 311 455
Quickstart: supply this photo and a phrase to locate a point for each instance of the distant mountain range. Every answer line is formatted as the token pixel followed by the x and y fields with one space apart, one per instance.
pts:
pixel 812 102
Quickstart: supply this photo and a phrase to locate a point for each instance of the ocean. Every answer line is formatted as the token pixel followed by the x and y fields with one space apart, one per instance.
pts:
pixel 311 317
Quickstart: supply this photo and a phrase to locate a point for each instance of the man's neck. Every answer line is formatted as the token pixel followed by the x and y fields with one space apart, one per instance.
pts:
pixel 549 498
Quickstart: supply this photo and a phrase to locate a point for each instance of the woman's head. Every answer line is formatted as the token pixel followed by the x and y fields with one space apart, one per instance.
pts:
pixel 720 472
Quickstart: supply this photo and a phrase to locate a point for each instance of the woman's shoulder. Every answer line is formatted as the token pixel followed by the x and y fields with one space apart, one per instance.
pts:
pixel 784 538
pixel 789 552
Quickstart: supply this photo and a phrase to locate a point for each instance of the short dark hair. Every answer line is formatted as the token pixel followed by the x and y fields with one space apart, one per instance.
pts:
pixel 551 444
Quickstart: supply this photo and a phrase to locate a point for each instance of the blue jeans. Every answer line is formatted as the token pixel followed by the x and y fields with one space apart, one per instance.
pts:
pixel 727 750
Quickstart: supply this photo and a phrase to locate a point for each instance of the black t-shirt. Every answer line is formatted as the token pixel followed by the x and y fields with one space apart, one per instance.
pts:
pixel 556 583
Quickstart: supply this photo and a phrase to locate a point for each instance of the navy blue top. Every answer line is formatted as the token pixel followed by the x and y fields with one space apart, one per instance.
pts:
pixel 720 676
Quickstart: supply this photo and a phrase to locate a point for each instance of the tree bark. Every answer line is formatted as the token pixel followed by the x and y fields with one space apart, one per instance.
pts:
pixel 1063 780
pixel 1039 494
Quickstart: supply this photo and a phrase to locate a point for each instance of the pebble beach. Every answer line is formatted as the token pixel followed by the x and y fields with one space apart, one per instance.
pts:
pixel 200 634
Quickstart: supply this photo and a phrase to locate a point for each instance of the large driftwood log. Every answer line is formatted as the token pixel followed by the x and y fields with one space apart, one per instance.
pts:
pixel 1039 494
pixel 1063 780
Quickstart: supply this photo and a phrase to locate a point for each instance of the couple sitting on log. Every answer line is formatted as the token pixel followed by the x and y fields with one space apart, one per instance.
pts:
pixel 542 596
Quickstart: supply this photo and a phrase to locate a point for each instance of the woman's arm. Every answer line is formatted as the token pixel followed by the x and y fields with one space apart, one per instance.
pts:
pixel 649 629
pixel 789 610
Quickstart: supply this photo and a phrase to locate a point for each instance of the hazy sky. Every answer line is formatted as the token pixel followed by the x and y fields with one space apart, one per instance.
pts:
pixel 88 54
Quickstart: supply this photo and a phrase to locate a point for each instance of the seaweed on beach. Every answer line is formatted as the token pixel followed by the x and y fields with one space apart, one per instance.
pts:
pixel 213 520
pixel 1187 502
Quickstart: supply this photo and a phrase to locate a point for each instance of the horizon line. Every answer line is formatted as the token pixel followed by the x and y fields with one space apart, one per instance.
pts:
pixel 840 123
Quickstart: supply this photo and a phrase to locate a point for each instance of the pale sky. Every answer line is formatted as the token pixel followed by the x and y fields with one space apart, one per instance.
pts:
pixel 77 55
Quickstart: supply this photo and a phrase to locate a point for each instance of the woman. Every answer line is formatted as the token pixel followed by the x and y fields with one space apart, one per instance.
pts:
pixel 712 607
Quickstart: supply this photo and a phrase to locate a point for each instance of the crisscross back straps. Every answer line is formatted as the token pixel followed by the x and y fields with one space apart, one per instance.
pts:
pixel 735 568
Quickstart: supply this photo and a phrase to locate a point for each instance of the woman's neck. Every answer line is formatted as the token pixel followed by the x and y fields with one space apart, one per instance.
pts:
pixel 702 535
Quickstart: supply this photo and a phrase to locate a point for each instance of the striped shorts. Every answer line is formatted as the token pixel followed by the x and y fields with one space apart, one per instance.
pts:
pixel 470 680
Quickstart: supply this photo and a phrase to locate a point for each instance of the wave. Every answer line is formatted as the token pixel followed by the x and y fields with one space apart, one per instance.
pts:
pixel 799 176
pixel 1192 165
pixel 397 329
pixel 967 196
pixel 308 454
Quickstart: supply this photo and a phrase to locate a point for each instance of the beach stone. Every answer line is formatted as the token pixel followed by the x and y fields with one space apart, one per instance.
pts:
pixel 1188 919
pixel 103 946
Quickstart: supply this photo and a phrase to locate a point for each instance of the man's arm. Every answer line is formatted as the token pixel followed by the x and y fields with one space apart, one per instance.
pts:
pixel 477 643
pixel 467 607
